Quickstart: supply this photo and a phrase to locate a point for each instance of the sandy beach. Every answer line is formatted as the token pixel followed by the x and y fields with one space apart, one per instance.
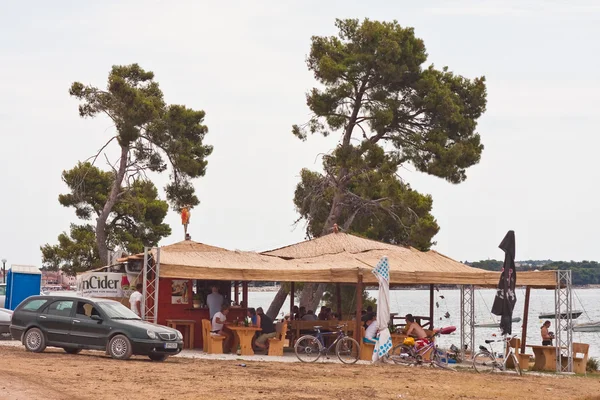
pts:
pixel 55 375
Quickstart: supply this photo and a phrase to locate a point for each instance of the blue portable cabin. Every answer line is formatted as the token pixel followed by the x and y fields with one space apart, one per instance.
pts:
pixel 22 281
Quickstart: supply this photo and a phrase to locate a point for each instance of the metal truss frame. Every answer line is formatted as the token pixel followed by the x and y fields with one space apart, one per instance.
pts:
pixel 563 304
pixel 467 320
pixel 150 281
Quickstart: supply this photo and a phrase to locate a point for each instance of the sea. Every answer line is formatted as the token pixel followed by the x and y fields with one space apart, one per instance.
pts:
pixel 447 312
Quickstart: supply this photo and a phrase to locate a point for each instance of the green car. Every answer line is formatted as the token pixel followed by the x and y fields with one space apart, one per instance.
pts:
pixel 77 323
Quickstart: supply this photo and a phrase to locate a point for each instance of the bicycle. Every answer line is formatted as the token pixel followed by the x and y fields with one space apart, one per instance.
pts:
pixel 485 360
pixel 411 355
pixel 309 348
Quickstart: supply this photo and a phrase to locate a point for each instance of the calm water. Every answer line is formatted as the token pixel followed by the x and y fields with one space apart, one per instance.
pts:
pixel 541 301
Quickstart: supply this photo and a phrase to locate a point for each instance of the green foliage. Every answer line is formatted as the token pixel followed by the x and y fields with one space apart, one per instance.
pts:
pixel 593 365
pixel 373 78
pixel 583 272
pixel 135 221
pixel 348 295
pixel 151 131
pixel 76 251
pixel 376 204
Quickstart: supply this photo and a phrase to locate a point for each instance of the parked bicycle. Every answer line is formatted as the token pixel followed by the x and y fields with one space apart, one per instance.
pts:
pixel 309 348
pixel 485 360
pixel 409 353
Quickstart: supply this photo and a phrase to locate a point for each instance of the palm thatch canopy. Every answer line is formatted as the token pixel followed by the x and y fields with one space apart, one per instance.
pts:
pixel 408 266
pixel 338 257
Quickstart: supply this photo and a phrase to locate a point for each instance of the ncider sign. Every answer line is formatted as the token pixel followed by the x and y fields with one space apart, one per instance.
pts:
pixel 100 284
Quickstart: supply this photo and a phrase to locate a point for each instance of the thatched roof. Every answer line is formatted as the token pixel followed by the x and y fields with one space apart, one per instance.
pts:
pixel 341 251
pixel 337 257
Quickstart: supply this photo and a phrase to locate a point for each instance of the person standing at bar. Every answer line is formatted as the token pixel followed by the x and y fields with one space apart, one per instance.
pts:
pixel 214 301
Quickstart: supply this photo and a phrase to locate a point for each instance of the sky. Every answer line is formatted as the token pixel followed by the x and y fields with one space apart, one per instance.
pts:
pixel 243 63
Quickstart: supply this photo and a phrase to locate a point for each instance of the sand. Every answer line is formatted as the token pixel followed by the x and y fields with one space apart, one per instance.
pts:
pixel 91 375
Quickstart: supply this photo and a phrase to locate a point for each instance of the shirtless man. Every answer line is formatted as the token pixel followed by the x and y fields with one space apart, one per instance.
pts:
pixel 414 329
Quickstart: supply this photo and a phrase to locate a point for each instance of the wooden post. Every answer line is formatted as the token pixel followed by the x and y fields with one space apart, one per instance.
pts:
pixel 245 293
pixel 525 318
pixel 338 293
pixel 359 305
pixel 431 301
pixel 292 294
pixel 236 294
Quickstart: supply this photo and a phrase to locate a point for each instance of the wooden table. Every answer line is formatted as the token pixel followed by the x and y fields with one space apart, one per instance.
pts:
pixel 398 338
pixel 545 358
pixel 244 335
pixel 188 337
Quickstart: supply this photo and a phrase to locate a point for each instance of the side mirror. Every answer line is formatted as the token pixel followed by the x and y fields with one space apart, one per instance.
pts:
pixel 96 317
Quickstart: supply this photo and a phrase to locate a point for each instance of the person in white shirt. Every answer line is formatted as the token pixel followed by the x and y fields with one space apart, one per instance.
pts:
pixel 371 331
pixel 214 301
pixel 135 300
pixel 218 327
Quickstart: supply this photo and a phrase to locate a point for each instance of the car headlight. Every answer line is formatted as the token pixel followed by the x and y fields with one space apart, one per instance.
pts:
pixel 179 335
pixel 151 334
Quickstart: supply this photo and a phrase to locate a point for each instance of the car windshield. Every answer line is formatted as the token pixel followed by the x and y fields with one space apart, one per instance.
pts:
pixel 116 310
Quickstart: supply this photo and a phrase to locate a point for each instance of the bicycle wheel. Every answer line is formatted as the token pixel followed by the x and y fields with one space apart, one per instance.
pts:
pixel 439 361
pixel 517 365
pixel 347 350
pixel 402 354
pixel 484 362
pixel 308 348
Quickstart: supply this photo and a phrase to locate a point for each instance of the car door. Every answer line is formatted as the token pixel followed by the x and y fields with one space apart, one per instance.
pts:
pixel 88 332
pixel 56 321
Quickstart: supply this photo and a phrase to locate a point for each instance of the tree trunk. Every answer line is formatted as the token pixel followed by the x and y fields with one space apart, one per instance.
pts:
pixel 101 235
pixel 278 301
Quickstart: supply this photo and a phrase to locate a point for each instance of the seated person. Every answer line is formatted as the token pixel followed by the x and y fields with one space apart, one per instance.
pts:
pixel 323 314
pixel 301 313
pixel 218 324
pixel 371 331
pixel 295 313
pixel 414 329
pixel 268 329
pixel 253 316
pixel 310 316
pixel 365 315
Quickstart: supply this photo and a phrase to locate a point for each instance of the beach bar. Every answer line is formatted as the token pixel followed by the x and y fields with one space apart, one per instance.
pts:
pixel 173 275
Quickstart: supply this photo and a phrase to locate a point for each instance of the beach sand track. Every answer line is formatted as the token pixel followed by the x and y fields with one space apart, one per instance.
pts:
pixel 91 375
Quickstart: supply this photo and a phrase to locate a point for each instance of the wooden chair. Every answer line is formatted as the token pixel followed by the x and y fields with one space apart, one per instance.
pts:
pixel 212 344
pixel 276 343
pixel 366 349
pixel 580 362
pixel 515 343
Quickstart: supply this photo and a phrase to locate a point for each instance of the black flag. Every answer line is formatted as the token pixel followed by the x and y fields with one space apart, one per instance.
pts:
pixel 505 300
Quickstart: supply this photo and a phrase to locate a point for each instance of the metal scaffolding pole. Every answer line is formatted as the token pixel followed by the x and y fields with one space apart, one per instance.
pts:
pixel 467 319
pixel 150 282
pixel 563 301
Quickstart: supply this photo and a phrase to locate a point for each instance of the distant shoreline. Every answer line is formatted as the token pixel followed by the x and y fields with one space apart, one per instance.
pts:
pixel 420 287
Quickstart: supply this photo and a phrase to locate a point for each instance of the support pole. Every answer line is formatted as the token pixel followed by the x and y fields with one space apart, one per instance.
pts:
pixel 359 305
pixel 292 294
pixel 431 301
pixel 245 293
pixel 236 294
pixel 525 318
pixel 338 293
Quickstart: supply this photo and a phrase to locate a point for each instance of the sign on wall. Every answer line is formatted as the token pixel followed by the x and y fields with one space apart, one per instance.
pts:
pixel 179 291
pixel 102 284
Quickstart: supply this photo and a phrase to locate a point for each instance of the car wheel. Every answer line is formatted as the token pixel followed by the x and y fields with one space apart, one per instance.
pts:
pixel 119 347
pixel 71 350
pixel 34 340
pixel 158 357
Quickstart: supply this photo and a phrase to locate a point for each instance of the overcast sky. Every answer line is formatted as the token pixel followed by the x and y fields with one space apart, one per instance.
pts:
pixel 244 64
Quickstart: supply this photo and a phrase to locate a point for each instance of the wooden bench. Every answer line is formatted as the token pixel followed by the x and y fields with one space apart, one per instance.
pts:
pixel 276 343
pixel 580 363
pixel 366 349
pixel 212 344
